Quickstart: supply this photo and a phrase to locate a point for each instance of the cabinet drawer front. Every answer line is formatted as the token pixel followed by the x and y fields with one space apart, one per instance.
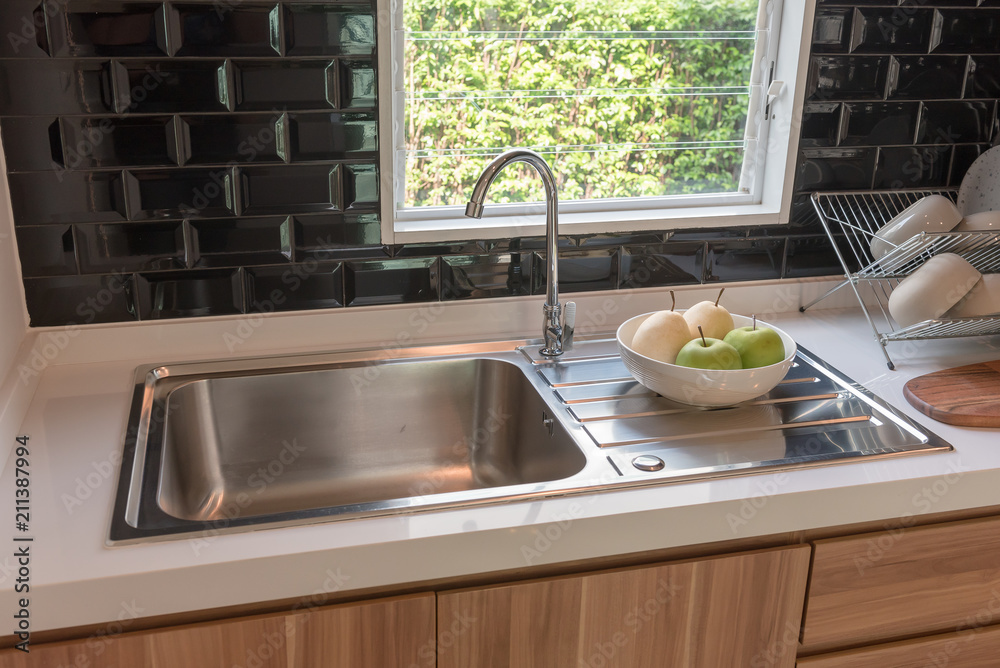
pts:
pixel 970 648
pixel 733 611
pixel 903 582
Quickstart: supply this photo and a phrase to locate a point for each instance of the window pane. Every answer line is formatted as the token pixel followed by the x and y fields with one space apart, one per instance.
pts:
pixel 624 99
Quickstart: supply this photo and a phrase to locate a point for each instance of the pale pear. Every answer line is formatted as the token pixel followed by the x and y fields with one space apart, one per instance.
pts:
pixel 714 320
pixel 661 336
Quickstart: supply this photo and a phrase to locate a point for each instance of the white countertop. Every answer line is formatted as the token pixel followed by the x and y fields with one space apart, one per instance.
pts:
pixel 76 417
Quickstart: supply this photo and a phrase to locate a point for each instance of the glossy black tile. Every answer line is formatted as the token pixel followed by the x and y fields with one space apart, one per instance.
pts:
pixel 879 123
pixel 618 239
pixel 128 247
pixel 46 87
pixel 235 242
pixel 968 31
pixel 956 122
pixel 929 77
pixel 835 169
pixel 23 25
pixel 984 77
pixel 80 300
pixel 238 29
pixel 962 158
pixel 821 123
pixel 290 189
pixel 440 248
pixel 67 197
pixel 832 30
pixel 278 85
pixel 103 28
pixel 32 143
pixel 332 136
pixel 525 244
pixel 847 77
pixel 892 30
pixel 339 237
pixel 579 271
pixel 391 281
pixel 190 293
pixel 358 87
pixel 479 276
pixel 361 186
pixel 912 167
pixel 48 250
pixel 744 260
pixel 811 256
pixel 328 29
pixel 225 138
pixel 171 86
pixel 672 263
pixel 109 141
pixel 181 193
pixel 299 287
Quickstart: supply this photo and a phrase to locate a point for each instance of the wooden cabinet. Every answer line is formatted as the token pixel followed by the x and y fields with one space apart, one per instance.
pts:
pixel 901 583
pixel 969 648
pixel 388 633
pixel 711 613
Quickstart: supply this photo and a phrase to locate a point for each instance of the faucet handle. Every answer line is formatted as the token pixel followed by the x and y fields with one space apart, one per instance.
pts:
pixel 569 325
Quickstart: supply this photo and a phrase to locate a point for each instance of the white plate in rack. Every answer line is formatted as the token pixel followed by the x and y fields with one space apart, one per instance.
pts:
pixel 980 189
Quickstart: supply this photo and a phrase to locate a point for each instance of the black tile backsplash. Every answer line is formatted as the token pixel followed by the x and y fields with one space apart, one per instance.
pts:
pixel 190 158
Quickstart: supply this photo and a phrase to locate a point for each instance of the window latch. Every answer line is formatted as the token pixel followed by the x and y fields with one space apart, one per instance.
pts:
pixel 774 90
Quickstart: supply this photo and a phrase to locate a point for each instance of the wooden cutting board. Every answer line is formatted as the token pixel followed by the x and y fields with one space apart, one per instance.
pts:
pixel 968 396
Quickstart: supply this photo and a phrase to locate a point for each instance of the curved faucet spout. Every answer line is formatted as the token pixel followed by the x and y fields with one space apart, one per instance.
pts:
pixel 558 337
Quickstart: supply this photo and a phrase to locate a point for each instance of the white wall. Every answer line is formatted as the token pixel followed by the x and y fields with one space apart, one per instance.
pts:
pixel 13 316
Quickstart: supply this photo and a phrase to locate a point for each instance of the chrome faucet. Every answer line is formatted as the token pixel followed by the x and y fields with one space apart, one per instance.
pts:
pixel 558 334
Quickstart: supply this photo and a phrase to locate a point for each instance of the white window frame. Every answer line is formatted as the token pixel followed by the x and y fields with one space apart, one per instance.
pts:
pixel 768 203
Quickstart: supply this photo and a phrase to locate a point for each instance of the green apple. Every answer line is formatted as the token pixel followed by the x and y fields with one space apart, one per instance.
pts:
pixel 708 353
pixel 757 346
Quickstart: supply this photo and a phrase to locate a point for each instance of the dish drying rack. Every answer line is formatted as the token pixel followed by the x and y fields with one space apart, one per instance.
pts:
pixel 855 217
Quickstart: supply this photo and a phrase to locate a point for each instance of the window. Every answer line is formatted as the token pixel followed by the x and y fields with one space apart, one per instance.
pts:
pixel 653 113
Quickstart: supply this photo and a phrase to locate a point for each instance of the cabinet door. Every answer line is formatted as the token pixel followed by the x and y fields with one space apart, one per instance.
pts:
pixel 974 647
pixel 387 633
pixel 882 586
pixel 740 610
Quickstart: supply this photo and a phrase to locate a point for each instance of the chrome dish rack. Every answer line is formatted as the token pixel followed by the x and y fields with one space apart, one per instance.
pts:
pixel 854 217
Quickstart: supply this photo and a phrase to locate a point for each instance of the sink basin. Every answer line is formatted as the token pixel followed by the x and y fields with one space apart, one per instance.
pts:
pixel 334 437
pixel 237 445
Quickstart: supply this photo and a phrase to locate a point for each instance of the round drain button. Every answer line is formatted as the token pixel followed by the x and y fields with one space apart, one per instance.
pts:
pixel 647 463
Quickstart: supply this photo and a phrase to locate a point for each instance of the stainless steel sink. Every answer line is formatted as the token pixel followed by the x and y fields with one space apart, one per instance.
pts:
pixel 247 444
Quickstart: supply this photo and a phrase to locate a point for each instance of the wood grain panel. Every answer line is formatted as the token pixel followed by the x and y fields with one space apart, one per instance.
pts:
pixel 971 648
pixel 903 582
pixel 711 613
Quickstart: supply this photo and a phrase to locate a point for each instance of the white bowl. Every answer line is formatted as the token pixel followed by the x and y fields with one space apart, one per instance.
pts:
pixel 933 213
pixel 703 387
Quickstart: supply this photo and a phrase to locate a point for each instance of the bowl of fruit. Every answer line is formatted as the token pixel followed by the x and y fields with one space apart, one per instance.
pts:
pixel 705 356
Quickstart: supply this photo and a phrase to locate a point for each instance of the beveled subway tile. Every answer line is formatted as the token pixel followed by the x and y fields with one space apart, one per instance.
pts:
pixel 358 85
pixel 220 139
pixel 170 86
pixel 391 281
pixel 968 31
pixel 672 263
pixel 118 142
pixel 107 28
pixel 80 300
pixel 984 77
pixel 820 124
pixel 892 30
pixel 811 256
pixel 46 87
pixel 618 239
pixel 19 21
pixel 439 248
pixel 361 186
pixel 835 169
pixel 962 158
pixel 290 189
pixel 929 77
pixel 878 123
pixel 230 30
pixel 332 136
pixel 190 293
pixel 67 197
pixel 525 244
pixel 297 287
pixel 956 122
pixel 847 77
pixel 330 29
pixel 832 30
pixel 339 236
pixel 234 242
pixel 913 167
pixel 181 193
pixel 279 85
pixel 128 247
pixel 48 250
pixel 479 276
pixel 32 143
pixel 744 260
pixel 579 271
